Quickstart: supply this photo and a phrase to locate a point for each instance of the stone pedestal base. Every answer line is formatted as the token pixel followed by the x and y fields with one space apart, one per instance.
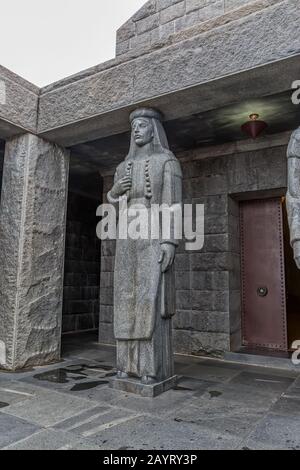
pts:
pixel 132 385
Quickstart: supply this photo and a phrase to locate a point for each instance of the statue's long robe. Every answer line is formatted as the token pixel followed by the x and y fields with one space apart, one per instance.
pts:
pixel 293 193
pixel 144 297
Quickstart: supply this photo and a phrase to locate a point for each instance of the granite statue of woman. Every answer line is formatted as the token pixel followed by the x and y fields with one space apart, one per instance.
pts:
pixel 293 193
pixel 144 288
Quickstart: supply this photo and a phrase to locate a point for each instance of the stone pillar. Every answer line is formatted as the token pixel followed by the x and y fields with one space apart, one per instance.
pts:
pixel 32 241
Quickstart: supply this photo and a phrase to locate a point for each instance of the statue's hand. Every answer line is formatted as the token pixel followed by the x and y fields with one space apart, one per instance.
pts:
pixel 121 186
pixel 167 256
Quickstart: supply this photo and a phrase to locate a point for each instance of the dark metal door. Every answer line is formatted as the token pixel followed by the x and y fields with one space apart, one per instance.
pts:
pixel 263 277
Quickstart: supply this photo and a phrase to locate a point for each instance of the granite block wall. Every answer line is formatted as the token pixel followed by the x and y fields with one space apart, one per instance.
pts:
pixel 2 148
pixel 208 318
pixel 82 265
pixel 157 20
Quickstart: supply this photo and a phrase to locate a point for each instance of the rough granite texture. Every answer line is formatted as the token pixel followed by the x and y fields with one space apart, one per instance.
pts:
pixel 229 49
pixel 251 8
pixel 32 237
pixel 18 103
pixel 208 316
pixel 159 20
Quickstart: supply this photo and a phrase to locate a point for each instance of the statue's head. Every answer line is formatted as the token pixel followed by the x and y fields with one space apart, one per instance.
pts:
pixel 146 128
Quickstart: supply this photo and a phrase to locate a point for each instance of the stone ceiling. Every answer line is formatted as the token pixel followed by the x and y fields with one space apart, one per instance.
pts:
pixel 218 126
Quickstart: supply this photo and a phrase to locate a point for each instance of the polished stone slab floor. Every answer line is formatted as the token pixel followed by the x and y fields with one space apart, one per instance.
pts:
pixel 215 405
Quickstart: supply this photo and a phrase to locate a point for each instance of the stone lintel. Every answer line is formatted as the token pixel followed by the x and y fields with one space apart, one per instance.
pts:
pixel 8 130
pixel 18 105
pixel 267 80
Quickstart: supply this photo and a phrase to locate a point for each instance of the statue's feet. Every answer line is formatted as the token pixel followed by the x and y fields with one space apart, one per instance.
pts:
pixel 122 375
pixel 147 380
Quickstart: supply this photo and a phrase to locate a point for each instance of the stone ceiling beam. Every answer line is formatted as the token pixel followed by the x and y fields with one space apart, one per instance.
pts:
pixel 18 105
pixel 267 80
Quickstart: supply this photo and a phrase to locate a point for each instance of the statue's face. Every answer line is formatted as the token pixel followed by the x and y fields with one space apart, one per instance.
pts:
pixel 142 130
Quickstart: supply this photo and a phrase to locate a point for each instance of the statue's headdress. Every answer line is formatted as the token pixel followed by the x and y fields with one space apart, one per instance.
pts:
pixel 149 113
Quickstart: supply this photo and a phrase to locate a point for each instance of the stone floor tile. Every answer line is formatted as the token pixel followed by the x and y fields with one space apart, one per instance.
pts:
pixel 211 373
pixel 77 376
pixel 251 444
pixel 263 381
pixel 50 439
pixel 47 407
pixel 102 394
pixel 81 418
pixel 13 429
pixel 240 394
pixel 146 432
pixel 288 407
pixel 95 421
pixel 14 392
pixel 280 432
pixel 219 415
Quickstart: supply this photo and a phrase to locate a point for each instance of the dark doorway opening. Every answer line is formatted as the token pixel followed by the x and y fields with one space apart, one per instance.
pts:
pixel 82 253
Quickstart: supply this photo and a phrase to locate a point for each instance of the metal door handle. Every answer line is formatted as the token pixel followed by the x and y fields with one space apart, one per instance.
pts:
pixel 262 291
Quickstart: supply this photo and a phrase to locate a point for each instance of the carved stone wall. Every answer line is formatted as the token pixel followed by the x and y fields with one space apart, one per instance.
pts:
pixel 158 20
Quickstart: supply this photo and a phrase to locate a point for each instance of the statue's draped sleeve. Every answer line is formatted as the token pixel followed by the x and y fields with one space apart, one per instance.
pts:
pixel 111 199
pixel 172 194
pixel 293 193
